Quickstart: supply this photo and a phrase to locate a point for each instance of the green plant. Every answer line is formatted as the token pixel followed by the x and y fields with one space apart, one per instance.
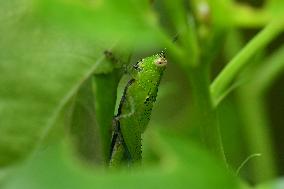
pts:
pixel 62 67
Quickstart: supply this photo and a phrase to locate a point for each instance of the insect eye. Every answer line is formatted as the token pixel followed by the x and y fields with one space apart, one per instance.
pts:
pixel 161 62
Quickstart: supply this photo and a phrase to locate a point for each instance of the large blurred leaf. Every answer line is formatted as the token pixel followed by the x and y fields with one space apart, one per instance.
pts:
pixel 183 165
pixel 39 71
pixel 83 126
pixel 128 20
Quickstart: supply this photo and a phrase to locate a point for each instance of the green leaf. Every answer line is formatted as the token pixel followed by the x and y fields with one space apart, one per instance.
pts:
pixel 107 20
pixel 84 130
pixel 182 164
pixel 40 71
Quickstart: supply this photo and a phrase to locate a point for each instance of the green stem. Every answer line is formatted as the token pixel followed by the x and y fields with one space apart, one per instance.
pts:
pixel 248 17
pixel 257 133
pixel 204 121
pixel 257 128
pixel 105 86
pixel 271 69
pixel 227 75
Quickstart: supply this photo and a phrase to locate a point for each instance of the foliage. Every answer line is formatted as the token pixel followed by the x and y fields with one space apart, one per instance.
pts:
pixel 59 91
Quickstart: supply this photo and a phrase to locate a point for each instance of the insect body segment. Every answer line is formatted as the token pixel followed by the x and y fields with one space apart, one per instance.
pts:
pixel 140 95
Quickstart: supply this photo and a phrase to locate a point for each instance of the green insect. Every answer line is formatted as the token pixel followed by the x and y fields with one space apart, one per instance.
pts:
pixel 135 108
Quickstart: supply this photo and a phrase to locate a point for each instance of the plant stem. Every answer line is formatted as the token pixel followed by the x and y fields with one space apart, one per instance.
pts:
pixel 257 133
pixel 204 121
pixel 257 128
pixel 204 126
pixel 248 17
pixel 105 86
pixel 269 71
pixel 223 80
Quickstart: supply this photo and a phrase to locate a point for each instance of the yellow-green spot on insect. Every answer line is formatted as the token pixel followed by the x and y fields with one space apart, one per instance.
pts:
pixel 136 105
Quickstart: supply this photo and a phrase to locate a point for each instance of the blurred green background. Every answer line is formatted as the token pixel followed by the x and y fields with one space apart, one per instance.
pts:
pixel 57 89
